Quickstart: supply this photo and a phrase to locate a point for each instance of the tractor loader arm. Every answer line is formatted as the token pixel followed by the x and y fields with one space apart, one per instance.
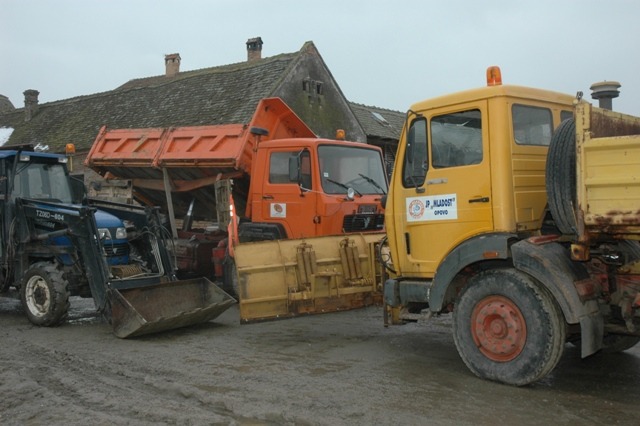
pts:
pixel 151 299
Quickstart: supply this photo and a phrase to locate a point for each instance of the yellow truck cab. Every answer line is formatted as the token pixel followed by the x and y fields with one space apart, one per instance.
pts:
pixel 472 165
pixel 507 207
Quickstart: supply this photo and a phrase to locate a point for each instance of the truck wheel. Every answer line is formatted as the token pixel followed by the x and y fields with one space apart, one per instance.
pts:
pixel 507 328
pixel 561 177
pixel 44 294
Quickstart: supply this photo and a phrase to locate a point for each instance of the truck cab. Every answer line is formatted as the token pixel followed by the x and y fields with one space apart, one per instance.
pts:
pixel 470 164
pixel 312 187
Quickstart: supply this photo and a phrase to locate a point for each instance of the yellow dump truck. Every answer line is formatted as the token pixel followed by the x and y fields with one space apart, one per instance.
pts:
pixel 518 210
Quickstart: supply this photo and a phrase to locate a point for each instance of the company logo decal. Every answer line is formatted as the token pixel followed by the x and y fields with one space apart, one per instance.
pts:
pixel 278 210
pixel 434 207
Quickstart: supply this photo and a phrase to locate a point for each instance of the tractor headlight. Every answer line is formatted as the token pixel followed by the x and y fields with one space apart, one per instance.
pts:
pixel 121 233
pixel 104 233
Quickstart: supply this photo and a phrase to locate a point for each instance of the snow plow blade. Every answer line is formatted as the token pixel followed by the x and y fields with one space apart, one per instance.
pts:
pixel 166 306
pixel 287 278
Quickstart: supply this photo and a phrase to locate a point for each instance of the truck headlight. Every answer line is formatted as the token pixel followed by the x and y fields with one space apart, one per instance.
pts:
pixel 104 233
pixel 351 193
pixel 121 233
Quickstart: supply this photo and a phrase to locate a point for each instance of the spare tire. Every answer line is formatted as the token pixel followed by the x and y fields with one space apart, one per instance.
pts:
pixel 561 177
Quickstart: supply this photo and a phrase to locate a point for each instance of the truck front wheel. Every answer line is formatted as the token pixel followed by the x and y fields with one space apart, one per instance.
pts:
pixel 507 328
pixel 44 294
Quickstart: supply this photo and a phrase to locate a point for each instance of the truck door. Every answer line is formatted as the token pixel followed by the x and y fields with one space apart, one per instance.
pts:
pixel 286 198
pixel 446 183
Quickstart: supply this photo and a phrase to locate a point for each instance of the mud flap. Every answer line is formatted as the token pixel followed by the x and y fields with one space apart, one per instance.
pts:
pixel 165 306
pixel 286 278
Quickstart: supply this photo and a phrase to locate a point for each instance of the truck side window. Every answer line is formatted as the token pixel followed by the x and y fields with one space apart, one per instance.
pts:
pixel 415 162
pixel 532 125
pixel 279 168
pixel 565 115
pixel 456 139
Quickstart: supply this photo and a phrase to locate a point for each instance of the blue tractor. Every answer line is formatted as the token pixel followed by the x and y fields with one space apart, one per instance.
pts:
pixel 56 243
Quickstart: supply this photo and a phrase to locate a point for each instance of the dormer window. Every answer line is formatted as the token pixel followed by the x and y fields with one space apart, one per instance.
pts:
pixel 312 87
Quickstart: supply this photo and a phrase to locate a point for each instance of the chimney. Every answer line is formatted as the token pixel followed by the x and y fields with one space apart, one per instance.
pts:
pixel 30 103
pixel 254 49
pixel 172 64
pixel 604 92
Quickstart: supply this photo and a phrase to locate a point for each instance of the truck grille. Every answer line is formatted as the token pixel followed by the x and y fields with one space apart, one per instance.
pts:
pixel 363 222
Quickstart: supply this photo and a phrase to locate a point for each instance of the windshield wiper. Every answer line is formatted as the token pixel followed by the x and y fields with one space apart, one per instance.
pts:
pixel 342 185
pixel 372 182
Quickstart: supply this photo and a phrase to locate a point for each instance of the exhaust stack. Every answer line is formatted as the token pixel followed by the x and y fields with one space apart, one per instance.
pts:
pixel 604 92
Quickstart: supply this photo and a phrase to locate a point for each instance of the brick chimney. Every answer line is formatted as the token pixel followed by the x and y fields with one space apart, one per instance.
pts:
pixel 30 103
pixel 254 49
pixel 172 64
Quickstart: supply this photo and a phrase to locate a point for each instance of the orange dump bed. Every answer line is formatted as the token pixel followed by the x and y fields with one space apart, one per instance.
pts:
pixel 190 158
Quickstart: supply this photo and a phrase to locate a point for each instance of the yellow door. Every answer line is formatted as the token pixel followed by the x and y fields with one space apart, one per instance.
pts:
pixel 446 186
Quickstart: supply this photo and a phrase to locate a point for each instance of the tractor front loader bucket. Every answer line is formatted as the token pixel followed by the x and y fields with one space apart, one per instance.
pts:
pixel 165 306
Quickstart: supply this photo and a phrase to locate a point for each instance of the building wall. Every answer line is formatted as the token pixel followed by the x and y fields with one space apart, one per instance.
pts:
pixel 310 90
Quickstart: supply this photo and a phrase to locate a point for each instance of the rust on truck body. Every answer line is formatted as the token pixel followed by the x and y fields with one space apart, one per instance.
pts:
pixel 608 173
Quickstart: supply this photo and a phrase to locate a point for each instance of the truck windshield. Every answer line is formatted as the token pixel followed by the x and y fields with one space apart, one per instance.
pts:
pixel 343 167
pixel 42 181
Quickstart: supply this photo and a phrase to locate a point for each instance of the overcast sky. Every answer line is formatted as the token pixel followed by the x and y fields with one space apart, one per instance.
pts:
pixel 381 52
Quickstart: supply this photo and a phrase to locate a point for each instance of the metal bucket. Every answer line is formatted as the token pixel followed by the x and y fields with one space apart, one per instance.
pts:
pixel 166 306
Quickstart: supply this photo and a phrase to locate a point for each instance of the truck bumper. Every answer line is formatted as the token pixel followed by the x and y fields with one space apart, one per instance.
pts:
pixel 398 293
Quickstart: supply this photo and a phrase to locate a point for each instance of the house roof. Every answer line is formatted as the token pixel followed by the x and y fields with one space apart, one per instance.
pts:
pixel 217 95
pixel 378 122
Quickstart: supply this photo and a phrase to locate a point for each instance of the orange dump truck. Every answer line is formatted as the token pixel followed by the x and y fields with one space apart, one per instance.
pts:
pixel 284 183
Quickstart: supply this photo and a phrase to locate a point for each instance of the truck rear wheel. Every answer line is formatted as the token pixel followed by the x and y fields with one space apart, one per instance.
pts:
pixel 44 294
pixel 561 177
pixel 507 328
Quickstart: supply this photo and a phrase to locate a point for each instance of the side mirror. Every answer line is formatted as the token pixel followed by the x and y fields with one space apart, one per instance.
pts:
pixel 294 168
pixel 78 190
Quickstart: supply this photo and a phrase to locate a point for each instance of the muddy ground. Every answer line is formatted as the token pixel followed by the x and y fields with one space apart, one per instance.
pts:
pixel 331 369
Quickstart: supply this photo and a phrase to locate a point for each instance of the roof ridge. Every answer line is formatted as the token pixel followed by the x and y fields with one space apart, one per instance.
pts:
pixel 373 106
pixel 226 68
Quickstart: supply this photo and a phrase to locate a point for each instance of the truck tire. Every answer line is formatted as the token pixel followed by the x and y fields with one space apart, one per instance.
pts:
pixel 508 328
pixel 561 177
pixel 44 294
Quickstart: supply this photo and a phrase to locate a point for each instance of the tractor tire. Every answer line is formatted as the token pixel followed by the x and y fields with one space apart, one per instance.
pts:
pixel 508 328
pixel 561 177
pixel 44 294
